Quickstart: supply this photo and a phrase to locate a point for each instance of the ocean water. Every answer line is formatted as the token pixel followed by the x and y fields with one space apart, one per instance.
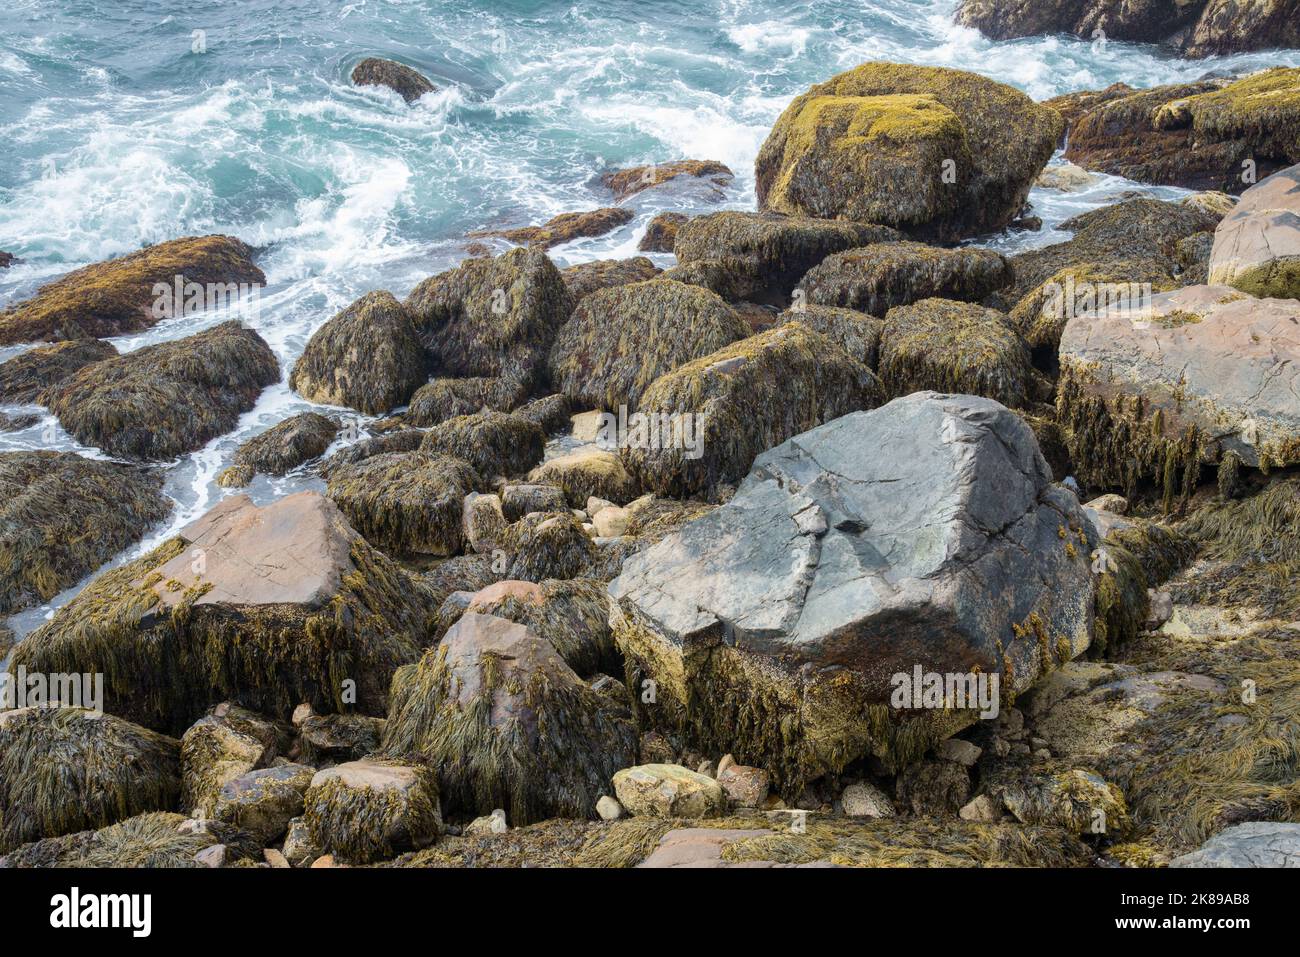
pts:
pixel 135 121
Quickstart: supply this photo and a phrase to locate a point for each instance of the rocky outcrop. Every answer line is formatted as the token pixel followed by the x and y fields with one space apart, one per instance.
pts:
pixel 368 357
pixel 69 769
pixel 661 325
pixel 494 443
pixel 117 296
pixel 585 278
pixel 628 182
pixel 281 448
pixel 776 626
pixel 265 607
pixel 938 153
pixel 24 377
pixel 508 724
pixel 62 516
pixel 1257 245
pixel 164 400
pixel 875 279
pixel 713 416
pixel 565 228
pixel 661 233
pixel 760 256
pixel 398 77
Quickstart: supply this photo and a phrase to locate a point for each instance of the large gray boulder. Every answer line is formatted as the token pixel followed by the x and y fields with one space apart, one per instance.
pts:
pixel 926 533
pixel 1257 245
pixel 1253 844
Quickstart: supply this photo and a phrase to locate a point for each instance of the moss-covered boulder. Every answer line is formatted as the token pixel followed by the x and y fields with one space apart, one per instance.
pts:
pixel 117 296
pixel 876 278
pixel 494 443
pixel 628 182
pixel 585 278
pixel 661 233
pixel 212 615
pixel 1203 135
pixel 508 724
pixel 857 333
pixel 1257 245
pixel 587 472
pixel 68 769
pixel 620 340
pixel 408 83
pixel 226 743
pixel 566 227
pixel 551 412
pixel 938 153
pixel 545 545
pixel 760 256
pixel 714 416
pixel 371 810
pixel 368 358
pixel 407 503
pixel 441 399
pixel 164 400
pixel 954 347
pixel 668 791
pixel 62 516
pixel 24 377
pixel 263 802
pixel 518 500
pixel 281 448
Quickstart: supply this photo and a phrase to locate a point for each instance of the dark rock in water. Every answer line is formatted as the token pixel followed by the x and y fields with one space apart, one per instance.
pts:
pixel 118 295
pixel 566 227
pixel 776 626
pixel 954 347
pixel 508 724
pixel 940 154
pixel 661 235
pixel 62 516
pixel 167 399
pixel 661 326
pixel 494 443
pixel 7 259
pixel 877 278
pixel 217 604
pixel 368 357
pixel 24 377
pixel 408 503
pixel 760 256
pixel 855 332
pixel 281 448
pixel 68 769
pixel 585 278
pixel 370 810
pixel 1202 135
pixel 399 77
pixel 629 182
pixel 16 423
pixel 551 412
pixel 726 408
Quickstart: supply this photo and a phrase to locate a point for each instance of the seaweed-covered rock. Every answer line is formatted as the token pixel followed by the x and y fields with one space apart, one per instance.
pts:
pixel 668 791
pixel 551 412
pixel 542 545
pixel 876 278
pixel 937 153
pixel 1257 245
pixel 368 358
pixel 713 416
pixel 68 769
pixel 661 233
pixel 398 77
pixel 492 319
pixel 224 744
pixel 855 332
pixel 370 810
pixel 441 399
pixel 62 516
pixel 399 440
pixel 518 500
pixel 494 443
pixel 760 256
pixel 117 296
pixel 482 522
pixel 408 503
pixel 24 377
pixel 585 278
pixel 629 182
pixel 1202 135
pixel 263 802
pixel 566 227
pixel 620 340
pixel 1200 375
pixel 776 626
pixel 164 400
pixel 508 724
pixel 1080 801
pixel 587 472
pixel 154 839
pixel 954 347
pixel 281 448
pixel 337 738
pixel 267 607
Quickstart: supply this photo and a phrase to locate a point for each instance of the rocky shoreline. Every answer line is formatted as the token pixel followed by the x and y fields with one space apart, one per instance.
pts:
pixel 837 543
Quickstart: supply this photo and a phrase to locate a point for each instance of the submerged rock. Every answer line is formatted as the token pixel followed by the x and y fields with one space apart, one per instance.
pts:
pixel 1257 245
pixel 566 227
pixel 772 625
pixel 117 296
pixel 281 448
pixel 24 377
pixel 938 153
pixel 49 501
pixel 628 182
pixel 398 77
pixel 167 399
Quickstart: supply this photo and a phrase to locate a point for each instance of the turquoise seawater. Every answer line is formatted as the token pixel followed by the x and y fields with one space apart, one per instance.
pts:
pixel 130 122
